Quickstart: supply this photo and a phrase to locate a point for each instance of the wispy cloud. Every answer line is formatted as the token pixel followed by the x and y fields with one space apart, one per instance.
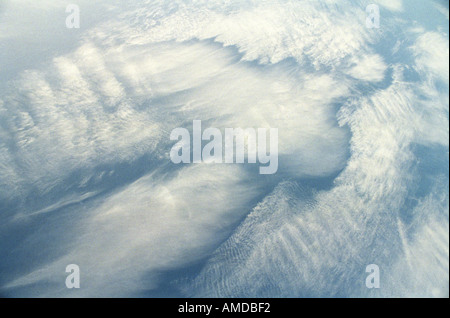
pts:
pixel 343 105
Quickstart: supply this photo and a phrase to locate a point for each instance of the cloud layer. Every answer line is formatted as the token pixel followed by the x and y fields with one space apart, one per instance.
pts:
pixel 85 175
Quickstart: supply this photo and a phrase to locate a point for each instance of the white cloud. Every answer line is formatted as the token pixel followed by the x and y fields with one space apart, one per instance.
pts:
pixel 393 5
pixel 106 105
pixel 299 243
pixel 368 68
pixel 263 31
pixel 156 224
pixel 442 9
pixel 117 94
pixel 432 55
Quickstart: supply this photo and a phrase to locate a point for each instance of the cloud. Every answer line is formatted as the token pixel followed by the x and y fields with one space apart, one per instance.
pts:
pixel 422 269
pixel 442 9
pixel 111 99
pixel 156 224
pixel 298 243
pixel 396 5
pixel 265 31
pixel 432 54
pixel 368 68
pixel 108 105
